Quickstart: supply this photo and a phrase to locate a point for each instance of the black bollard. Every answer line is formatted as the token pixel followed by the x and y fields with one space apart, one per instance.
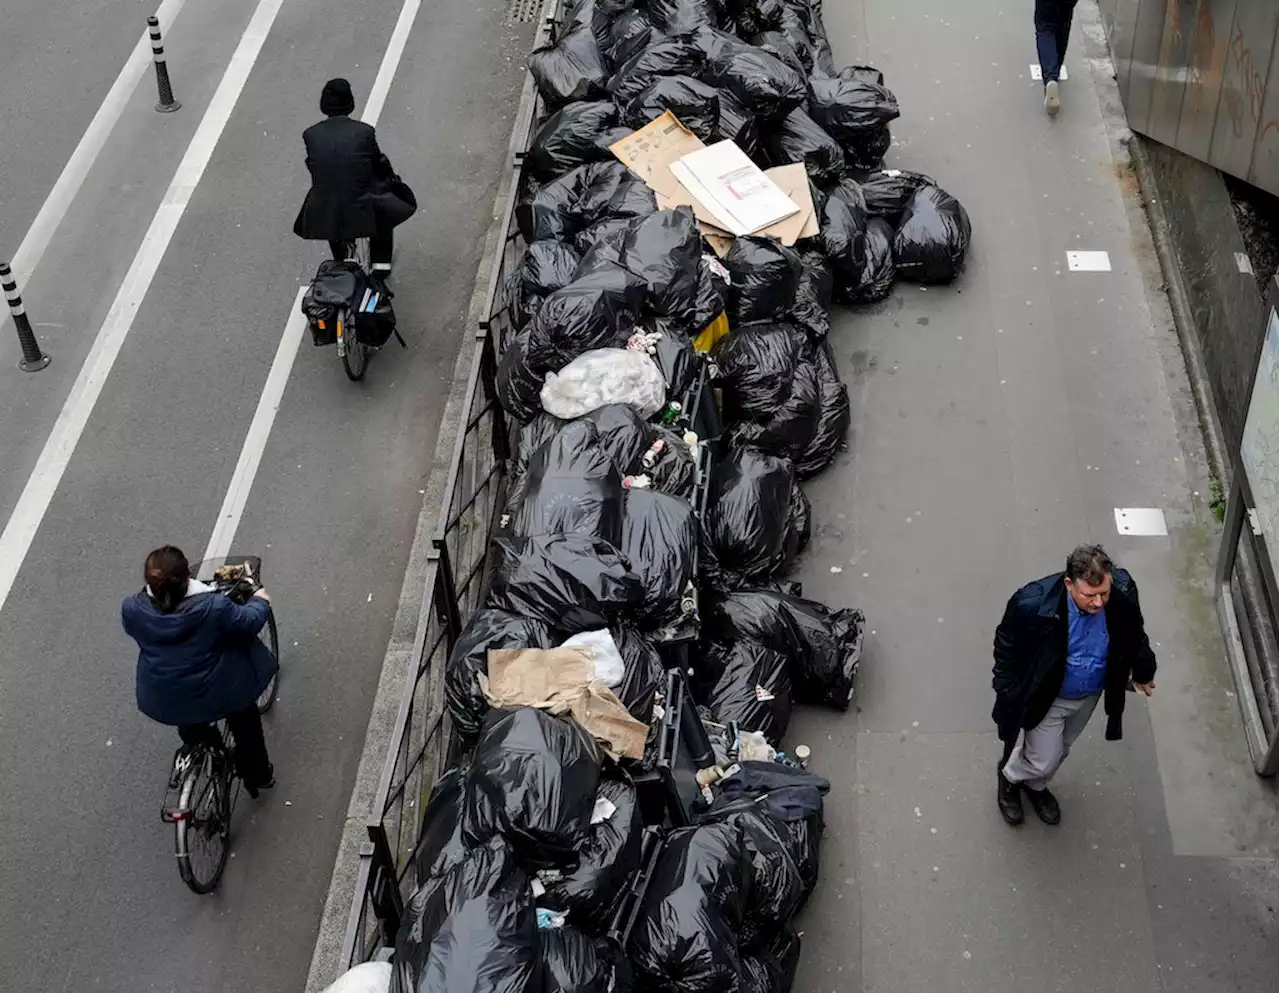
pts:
pixel 167 104
pixel 33 360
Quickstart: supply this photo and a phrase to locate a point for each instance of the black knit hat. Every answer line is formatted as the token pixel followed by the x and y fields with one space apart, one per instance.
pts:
pixel 336 98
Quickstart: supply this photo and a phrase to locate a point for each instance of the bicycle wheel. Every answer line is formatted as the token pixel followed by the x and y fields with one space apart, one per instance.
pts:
pixel 202 832
pixel 355 359
pixel 271 638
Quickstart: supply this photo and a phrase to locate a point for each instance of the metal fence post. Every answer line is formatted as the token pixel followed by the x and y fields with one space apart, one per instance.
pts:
pixel 33 359
pixel 384 887
pixel 167 104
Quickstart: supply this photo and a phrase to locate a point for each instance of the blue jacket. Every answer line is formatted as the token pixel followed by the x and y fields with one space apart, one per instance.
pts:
pixel 200 663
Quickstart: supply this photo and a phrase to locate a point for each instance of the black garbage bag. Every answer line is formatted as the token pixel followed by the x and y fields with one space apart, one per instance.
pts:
pixel 630 34
pixel 598 15
pixel 763 83
pixel 777 887
pixel 679 363
pixel 841 239
pixel 932 238
pixel 796 138
pixel 777 44
pixel 797 37
pixel 879 273
pixel 572 487
pixel 484 631
pixel 749 509
pixel 545 267
pixel 610 853
pixel 442 844
pixel 573 962
pixel 792 796
pixel 539 774
pixel 737 124
pixel 834 415
pixel 597 310
pixel 572 69
pixel 789 429
pixel 660 539
pixel 753 17
pixel 746 683
pixel 888 191
pixel 712 296
pixel 772 969
pixel 847 107
pixel 763 278
pixel 664 250
pixel 866 151
pixel 532 437
pixel 675 17
pixel 519 381
pixel 800 520
pixel 571 581
pixel 675 472
pixel 695 104
pixel 472 929
pixel 811 310
pixel 623 433
pixel 643 672
pixel 581 198
pixel 574 135
pixel 862 74
pixel 755 367
pixel 686 936
pixel 823 645
pixel 669 57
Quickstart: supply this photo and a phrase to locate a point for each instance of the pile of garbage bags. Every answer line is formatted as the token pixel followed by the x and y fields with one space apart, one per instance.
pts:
pixel 623 815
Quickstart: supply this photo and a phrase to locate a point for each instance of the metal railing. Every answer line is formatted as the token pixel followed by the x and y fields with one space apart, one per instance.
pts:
pixel 474 495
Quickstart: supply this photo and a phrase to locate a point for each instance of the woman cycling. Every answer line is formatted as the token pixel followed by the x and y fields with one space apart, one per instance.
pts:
pixel 200 660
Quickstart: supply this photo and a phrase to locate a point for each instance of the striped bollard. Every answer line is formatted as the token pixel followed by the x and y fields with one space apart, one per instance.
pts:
pixel 167 104
pixel 33 360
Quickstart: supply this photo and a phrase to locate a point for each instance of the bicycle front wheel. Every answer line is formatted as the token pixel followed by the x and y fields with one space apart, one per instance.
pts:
pixel 202 828
pixel 271 638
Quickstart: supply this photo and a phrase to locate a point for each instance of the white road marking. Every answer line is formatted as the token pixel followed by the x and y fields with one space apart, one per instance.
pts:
pixel 1088 261
pixel 95 136
pixel 1145 521
pixel 41 486
pixel 255 442
pixel 1038 74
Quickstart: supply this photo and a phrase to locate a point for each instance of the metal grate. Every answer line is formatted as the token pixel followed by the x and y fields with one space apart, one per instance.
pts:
pixel 523 11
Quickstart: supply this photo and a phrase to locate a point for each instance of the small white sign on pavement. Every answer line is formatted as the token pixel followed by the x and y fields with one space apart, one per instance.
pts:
pixel 1144 521
pixel 1037 74
pixel 1088 261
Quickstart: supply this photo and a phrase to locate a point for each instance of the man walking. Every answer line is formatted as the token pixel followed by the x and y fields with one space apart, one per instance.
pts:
pixel 1064 641
pixel 1053 26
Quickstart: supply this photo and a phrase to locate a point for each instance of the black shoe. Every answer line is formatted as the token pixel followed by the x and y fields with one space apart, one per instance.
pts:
pixel 266 784
pixel 1045 804
pixel 1009 798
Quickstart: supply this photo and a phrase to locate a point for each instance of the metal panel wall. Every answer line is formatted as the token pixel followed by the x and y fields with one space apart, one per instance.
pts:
pixel 1200 76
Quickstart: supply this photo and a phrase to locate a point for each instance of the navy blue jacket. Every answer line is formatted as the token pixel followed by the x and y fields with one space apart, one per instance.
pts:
pixel 200 663
pixel 1031 653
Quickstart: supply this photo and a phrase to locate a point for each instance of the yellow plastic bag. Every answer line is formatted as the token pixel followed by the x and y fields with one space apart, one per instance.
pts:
pixel 712 333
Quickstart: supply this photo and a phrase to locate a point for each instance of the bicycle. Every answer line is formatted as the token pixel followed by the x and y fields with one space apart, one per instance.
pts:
pixel 203 782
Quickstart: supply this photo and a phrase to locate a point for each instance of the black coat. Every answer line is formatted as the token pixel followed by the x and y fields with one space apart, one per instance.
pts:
pixel 349 196
pixel 1031 653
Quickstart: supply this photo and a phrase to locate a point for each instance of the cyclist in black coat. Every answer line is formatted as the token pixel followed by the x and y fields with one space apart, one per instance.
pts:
pixel 354 191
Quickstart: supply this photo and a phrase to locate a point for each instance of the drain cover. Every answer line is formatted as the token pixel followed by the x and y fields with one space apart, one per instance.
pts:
pixel 523 11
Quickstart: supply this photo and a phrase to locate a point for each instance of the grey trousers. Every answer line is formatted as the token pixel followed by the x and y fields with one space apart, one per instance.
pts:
pixel 1040 752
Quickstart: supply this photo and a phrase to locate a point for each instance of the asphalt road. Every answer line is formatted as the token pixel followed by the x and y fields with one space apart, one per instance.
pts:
pixel 997 423
pixel 91 893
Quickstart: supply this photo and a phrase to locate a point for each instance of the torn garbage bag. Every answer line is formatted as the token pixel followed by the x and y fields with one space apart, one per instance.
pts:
pixel 605 376
pixel 570 70
pixel 572 487
pixel 607 858
pixel 545 267
pixel 485 630
pixel 660 537
pixel 823 645
pixel 763 277
pixel 796 138
pixel 539 774
pixel 685 939
pixel 472 929
pixel 573 136
pixel 696 104
pixel 748 523
pixel 746 683
pixel 573 962
pixel 888 191
pixel 834 415
pixel 573 582
pixel 932 238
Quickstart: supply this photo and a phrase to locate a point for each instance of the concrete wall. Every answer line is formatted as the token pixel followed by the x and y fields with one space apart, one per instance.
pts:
pixel 1200 76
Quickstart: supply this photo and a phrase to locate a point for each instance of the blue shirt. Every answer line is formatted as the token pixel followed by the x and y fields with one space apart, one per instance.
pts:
pixel 1087 645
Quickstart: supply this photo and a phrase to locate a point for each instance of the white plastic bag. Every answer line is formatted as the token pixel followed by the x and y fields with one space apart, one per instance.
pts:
pixel 603 376
pixel 368 977
pixel 610 669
